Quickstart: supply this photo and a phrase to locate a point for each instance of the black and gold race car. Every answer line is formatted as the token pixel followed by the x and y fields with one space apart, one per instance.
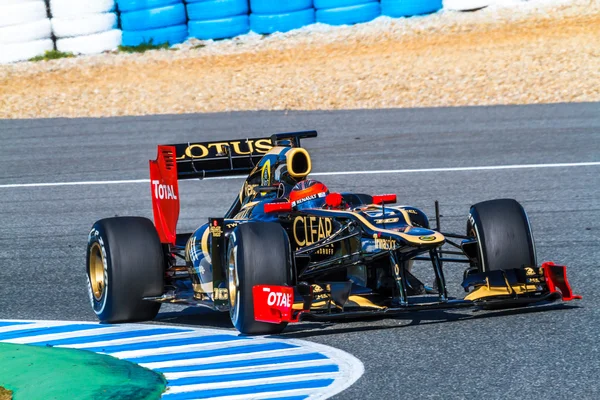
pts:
pixel 283 253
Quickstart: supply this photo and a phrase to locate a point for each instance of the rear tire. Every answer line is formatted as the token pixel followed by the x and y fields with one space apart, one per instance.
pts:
pixel 504 234
pixel 258 253
pixel 125 263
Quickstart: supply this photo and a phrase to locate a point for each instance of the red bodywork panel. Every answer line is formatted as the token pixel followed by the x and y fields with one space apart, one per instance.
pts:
pixel 274 304
pixel 556 278
pixel 384 198
pixel 165 193
pixel 278 207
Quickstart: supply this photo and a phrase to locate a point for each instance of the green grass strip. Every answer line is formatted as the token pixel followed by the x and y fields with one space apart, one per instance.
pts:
pixel 32 372
pixel 52 55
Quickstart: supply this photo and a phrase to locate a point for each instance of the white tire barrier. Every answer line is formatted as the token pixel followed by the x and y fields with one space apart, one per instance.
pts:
pixel 25 30
pixel 28 32
pixel 77 8
pixel 22 13
pixel 14 52
pixel 91 44
pixel 84 25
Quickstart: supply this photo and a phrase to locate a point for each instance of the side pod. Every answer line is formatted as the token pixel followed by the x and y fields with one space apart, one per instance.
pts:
pixel 165 193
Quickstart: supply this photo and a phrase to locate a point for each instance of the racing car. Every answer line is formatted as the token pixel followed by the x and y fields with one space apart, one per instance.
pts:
pixel 289 250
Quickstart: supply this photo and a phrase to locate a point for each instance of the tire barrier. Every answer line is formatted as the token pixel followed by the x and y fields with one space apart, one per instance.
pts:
pixel 279 6
pixel 347 12
pixel 90 44
pixel 25 30
pixel 77 8
pixel 171 34
pixel 85 27
pixel 271 23
pixel 134 5
pixel 409 8
pixel 217 19
pixel 153 21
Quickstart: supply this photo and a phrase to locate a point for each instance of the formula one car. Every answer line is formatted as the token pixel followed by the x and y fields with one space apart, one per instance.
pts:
pixel 289 250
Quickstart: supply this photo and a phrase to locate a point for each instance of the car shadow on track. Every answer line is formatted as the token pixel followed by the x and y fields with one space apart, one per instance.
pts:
pixel 429 317
pixel 204 318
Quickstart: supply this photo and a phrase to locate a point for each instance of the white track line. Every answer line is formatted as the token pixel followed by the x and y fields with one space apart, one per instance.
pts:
pixel 229 357
pixel 275 395
pixel 251 382
pixel 238 370
pixel 384 171
pixel 186 348
pixel 145 339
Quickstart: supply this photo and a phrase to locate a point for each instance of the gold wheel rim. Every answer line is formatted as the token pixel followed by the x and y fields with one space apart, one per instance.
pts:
pixel 232 282
pixel 96 269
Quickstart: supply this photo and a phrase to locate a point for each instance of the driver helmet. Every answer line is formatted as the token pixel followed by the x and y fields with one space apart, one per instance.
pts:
pixel 308 194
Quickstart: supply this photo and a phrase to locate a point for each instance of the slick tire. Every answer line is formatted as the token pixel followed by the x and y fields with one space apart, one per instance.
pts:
pixel 257 253
pixel 504 234
pixel 125 263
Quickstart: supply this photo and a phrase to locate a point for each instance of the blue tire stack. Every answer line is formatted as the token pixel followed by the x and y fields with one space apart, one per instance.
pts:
pixel 153 21
pixel 217 19
pixel 408 8
pixel 346 12
pixel 269 16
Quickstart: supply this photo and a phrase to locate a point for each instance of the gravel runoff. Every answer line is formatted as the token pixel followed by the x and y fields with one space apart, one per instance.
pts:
pixel 540 51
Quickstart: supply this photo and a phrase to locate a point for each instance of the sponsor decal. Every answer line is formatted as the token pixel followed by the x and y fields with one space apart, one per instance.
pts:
pixel 196 151
pixel 411 211
pixel 279 299
pixel 427 238
pixel 221 294
pixel 308 198
pixel 163 192
pixel 216 230
pixel 384 244
pixel 309 230
pixel 387 220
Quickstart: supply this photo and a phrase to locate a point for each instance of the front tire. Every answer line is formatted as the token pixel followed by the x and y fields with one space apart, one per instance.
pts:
pixel 504 235
pixel 125 263
pixel 258 253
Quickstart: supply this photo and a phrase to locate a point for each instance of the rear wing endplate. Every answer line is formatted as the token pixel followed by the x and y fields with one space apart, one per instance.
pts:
pixel 200 160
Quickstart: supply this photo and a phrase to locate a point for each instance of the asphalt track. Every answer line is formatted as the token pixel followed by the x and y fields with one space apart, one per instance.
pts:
pixel 543 353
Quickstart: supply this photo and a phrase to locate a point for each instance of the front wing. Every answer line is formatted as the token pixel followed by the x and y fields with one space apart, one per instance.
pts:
pixel 499 289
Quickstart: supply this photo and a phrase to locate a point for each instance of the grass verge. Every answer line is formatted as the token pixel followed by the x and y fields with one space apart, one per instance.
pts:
pixel 142 48
pixel 5 394
pixel 52 55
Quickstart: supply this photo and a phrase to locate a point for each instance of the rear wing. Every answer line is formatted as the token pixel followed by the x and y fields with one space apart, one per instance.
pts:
pixel 201 160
